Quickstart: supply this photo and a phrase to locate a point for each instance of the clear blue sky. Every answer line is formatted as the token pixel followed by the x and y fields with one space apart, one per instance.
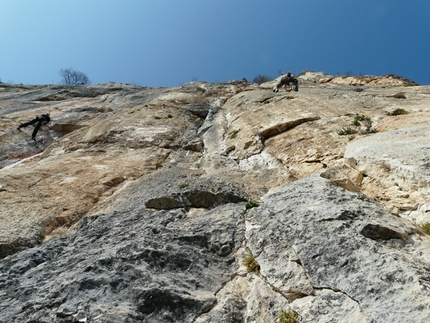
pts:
pixel 171 42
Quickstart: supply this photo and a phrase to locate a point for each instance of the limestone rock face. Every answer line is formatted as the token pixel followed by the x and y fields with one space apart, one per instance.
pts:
pixel 315 250
pixel 404 154
pixel 149 204
pixel 149 265
pixel 390 80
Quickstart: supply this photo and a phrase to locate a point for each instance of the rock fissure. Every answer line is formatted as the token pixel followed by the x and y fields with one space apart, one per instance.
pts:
pixel 282 127
pixel 268 273
pixel 377 231
pixel 228 280
pixel 337 290
pixel 323 249
pixel 193 199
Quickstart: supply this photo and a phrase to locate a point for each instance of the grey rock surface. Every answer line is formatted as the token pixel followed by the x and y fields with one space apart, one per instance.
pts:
pixel 339 257
pixel 326 253
pixel 405 155
pixel 131 265
pixel 151 204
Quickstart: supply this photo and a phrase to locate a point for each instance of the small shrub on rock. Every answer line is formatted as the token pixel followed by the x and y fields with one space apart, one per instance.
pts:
pixel 184 185
pixel 398 112
pixel 426 228
pixel 251 264
pixel 260 79
pixel 251 204
pixel 358 118
pixel 358 121
pixel 234 133
pixel 42 236
pixel 288 316
pixel 346 131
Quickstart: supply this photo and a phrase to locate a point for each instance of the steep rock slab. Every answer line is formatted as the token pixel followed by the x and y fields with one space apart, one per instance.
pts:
pixel 105 136
pixel 131 265
pixel 245 299
pixel 252 117
pixel 397 169
pixel 342 255
pixel 86 167
pixel 294 133
pixel 308 148
pixel 42 194
pixel 71 107
pixel 416 105
pixel 316 145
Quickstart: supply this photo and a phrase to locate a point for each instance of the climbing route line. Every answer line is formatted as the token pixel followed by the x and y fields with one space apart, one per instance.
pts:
pixel 38 151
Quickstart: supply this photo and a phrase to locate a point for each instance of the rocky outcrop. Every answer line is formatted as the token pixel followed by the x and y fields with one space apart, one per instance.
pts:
pixel 153 266
pixel 311 77
pixel 173 265
pixel 386 80
pixel 149 204
pixel 396 165
pixel 350 255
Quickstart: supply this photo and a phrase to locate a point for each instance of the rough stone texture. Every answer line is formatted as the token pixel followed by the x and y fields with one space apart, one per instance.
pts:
pixel 251 118
pixel 390 80
pixel 138 264
pixel 132 208
pixel 397 168
pixel 117 141
pixel 322 246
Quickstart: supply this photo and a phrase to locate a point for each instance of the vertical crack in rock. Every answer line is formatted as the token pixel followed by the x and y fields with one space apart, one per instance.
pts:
pixel 280 266
pixel 168 237
pixel 358 252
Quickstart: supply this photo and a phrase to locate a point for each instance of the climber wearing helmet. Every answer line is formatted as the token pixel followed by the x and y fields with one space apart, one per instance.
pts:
pixel 287 81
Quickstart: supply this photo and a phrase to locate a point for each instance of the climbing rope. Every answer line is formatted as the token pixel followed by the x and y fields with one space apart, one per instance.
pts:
pixel 17 159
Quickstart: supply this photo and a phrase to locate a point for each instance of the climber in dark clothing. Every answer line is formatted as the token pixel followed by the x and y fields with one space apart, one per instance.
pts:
pixel 287 81
pixel 41 120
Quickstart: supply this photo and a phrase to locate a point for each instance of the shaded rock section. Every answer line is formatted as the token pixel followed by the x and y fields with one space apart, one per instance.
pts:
pixel 186 190
pixel 173 265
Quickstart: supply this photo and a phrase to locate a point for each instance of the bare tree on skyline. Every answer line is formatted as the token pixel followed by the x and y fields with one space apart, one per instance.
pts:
pixel 70 77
